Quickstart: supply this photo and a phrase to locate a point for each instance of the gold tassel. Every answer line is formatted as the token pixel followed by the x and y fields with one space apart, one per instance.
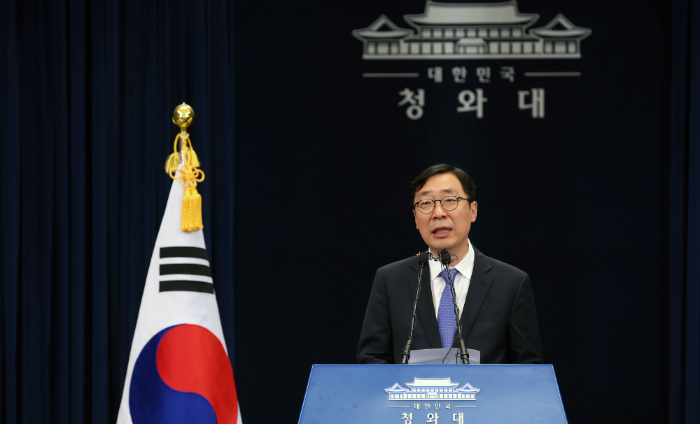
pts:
pixel 186 210
pixel 184 225
pixel 174 159
pixel 190 175
pixel 191 210
pixel 191 158
pixel 196 210
pixel 172 162
pixel 194 160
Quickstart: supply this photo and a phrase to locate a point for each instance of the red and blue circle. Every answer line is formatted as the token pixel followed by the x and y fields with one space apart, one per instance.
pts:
pixel 183 375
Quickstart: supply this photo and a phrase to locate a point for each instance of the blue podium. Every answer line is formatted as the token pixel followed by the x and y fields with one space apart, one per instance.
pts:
pixel 439 394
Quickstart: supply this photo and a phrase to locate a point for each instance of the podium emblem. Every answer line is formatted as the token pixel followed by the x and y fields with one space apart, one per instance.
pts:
pixel 432 389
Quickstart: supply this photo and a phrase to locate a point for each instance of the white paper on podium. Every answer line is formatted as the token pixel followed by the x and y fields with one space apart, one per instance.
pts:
pixel 441 356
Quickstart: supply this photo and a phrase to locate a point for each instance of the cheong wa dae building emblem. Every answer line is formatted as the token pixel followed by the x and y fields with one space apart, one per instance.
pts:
pixel 472 31
pixel 432 389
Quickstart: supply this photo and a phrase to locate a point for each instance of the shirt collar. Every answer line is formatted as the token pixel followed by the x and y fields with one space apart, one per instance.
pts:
pixel 465 266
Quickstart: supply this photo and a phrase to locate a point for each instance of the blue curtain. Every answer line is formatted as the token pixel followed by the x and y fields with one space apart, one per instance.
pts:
pixel 684 331
pixel 87 91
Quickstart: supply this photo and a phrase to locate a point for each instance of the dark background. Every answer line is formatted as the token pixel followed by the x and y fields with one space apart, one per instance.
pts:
pixel 306 194
pixel 578 199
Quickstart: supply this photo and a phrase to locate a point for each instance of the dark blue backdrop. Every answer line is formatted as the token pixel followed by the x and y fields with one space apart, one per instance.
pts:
pixel 88 90
pixel 591 201
pixel 599 202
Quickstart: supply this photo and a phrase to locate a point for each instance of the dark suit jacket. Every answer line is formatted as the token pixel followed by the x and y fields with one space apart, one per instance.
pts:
pixel 499 317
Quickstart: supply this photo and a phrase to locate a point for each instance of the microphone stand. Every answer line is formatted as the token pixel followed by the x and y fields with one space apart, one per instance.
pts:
pixel 406 351
pixel 446 260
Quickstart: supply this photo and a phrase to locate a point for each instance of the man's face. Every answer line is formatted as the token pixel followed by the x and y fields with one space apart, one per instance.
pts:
pixel 443 229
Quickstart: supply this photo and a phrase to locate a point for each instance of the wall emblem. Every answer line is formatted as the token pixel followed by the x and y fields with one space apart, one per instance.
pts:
pixel 472 31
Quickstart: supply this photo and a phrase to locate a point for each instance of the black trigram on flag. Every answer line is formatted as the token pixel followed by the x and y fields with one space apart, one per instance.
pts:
pixel 185 269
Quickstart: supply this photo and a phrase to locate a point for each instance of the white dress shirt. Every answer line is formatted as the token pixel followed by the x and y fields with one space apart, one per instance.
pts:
pixel 462 280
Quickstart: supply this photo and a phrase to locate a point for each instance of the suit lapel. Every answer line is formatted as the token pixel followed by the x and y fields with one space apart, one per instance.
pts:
pixel 478 289
pixel 425 308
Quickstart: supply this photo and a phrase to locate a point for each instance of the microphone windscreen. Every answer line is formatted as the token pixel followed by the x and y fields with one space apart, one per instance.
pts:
pixel 423 259
pixel 445 257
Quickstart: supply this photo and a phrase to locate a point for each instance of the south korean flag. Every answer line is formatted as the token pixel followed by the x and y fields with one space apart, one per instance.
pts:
pixel 179 370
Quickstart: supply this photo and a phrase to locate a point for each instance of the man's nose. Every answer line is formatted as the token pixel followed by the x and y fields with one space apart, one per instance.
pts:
pixel 438 211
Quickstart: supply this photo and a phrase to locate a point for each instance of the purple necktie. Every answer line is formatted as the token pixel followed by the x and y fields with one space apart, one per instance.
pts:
pixel 446 312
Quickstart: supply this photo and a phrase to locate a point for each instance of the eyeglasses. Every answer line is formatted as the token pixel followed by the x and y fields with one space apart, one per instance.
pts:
pixel 448 203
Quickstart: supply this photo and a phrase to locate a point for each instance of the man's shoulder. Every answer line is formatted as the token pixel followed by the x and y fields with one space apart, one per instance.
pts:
pixel 497 267
pixel 488 264
pixel 398 266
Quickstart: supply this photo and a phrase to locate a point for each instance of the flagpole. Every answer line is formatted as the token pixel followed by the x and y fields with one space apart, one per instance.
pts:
pixel 178 347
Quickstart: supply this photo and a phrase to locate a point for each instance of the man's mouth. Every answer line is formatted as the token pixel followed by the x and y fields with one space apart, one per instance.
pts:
pixel 442 231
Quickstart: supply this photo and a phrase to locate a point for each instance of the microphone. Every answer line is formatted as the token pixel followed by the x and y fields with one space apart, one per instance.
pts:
pixel 406 351
pixel 445 257
pixel 446 260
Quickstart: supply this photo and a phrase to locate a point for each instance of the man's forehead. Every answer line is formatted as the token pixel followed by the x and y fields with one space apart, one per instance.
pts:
pixel 447 190
pixel 441 185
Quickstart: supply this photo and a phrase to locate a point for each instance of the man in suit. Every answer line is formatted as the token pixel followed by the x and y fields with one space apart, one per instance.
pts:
pixel 496 304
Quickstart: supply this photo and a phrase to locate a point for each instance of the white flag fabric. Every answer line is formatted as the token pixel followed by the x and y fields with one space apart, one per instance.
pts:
pixel 179 370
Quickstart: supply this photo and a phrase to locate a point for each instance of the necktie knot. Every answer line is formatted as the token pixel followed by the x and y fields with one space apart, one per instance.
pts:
pixel 453 274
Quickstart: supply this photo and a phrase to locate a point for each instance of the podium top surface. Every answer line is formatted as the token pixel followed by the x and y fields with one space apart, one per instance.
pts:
pixel 411 394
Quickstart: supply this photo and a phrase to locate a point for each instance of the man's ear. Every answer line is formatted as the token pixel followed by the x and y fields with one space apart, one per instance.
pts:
pixel 414 218
pixel 474 208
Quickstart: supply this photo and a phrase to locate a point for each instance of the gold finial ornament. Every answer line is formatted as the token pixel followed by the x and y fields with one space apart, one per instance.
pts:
pixel 183 116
